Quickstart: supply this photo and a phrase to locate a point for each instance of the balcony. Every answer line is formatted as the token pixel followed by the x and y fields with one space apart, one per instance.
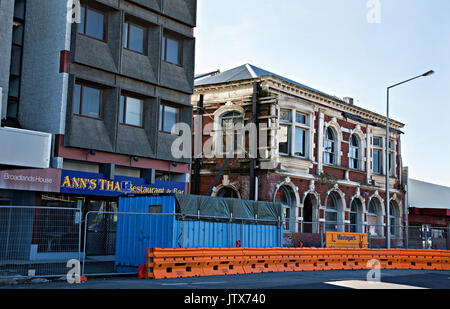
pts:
pixel 25 148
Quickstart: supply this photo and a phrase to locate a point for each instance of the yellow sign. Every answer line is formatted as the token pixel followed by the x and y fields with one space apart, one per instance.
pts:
pixel 346 240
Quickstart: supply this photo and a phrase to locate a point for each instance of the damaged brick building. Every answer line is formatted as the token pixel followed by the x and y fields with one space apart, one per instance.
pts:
pixel 321 156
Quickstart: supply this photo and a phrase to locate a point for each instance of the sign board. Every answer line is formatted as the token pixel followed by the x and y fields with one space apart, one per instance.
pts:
pixel 346 240
pixel 41 180
pixel 83 183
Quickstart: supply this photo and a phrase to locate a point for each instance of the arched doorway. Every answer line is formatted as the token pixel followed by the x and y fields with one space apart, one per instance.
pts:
pixel 356 218
pixel 375 217
pixel 227 192
pixel 334 213
pixel 286 196
pixel 310 212
pixel 394 219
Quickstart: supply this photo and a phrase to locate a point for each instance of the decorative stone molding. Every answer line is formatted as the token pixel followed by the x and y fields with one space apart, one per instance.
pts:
pixel 360 198
pixel 380 199
pixel 311 190
pixel 235 186
pixel 336 189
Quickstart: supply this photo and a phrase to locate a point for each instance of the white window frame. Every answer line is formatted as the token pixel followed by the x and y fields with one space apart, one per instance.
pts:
pixel 381 149
pixel 293 125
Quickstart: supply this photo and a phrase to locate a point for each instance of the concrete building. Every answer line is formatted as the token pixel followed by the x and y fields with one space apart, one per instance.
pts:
pixel 429 211
pixel 90 91
pixel 321 156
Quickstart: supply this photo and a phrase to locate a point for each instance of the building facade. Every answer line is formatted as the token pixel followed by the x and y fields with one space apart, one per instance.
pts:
pixel 90 92
pixel 322 157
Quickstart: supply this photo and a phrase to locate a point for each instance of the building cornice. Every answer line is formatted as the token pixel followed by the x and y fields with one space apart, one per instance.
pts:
pixel 277 84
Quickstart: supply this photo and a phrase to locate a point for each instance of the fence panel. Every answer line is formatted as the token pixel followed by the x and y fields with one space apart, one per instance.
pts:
pixel 38 241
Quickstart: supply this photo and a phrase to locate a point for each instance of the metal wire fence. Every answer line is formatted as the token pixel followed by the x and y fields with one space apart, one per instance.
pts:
pixel 312 234
pixel 39 241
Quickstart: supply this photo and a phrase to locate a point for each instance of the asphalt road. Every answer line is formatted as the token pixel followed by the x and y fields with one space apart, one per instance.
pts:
pixel 341 279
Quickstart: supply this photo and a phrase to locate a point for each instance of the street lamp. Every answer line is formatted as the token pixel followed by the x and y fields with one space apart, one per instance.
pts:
pixel 388 229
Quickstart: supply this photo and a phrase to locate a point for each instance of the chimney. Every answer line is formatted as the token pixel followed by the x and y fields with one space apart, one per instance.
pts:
pixel 349 100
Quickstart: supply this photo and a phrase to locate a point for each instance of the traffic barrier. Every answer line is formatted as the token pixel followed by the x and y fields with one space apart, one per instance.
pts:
pixel 180 263
pixel 223 261
pixel 263 260
pixel 175 263
pixel 445 260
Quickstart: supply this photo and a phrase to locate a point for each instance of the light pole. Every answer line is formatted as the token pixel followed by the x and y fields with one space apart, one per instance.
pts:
pixel 387 162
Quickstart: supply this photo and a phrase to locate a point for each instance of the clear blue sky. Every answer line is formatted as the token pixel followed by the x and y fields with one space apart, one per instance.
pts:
pixel 329 45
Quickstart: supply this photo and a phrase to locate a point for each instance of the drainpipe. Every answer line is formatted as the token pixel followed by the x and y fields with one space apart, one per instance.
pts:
pixel 253 160
pixel 198 146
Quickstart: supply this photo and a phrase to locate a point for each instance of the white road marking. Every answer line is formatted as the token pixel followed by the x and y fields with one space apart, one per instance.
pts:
pixel 174 284
pixel 204 283
pixel 369 285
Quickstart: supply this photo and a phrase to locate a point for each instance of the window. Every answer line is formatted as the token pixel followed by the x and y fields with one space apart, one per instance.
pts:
pixel 331 213
pixel 300 145
pixel 134 37
pixel 168 117
pixel 378 155
pixel 92 23
pixel 285 132
pixel 355 151
pixel 285 196
pixel 330 147
pixel 355 215
pixel 372 217
pixel 300 134
pixel 172 49
pixel 87 101
pixel 155 209
pixel 392 218
pixel 230 123
pixel 300 118
pixel 295 132
pixel 131 111
pixel 392 158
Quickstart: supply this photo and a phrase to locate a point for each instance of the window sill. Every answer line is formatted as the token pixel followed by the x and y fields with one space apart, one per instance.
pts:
pixel 172 63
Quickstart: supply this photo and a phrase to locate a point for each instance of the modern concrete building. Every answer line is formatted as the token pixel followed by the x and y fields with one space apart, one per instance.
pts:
pixel 91 90
pixel 321 156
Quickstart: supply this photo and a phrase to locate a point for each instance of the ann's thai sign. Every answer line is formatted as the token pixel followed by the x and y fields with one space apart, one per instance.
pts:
pixel 75 182
pixel 346 240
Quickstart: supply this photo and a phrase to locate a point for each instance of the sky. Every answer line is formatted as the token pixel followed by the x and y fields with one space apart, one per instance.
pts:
pixel 347 48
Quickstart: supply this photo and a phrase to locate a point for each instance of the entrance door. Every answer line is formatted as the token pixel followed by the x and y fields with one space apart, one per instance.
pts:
pixel 101 228
pixel 308 215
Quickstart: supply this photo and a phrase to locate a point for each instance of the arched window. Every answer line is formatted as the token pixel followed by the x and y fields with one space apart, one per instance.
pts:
pixel 285 195
pixel 393 218
pixel 330 147
pixel 355 152
pixel 355 216
pixel 372 217
pixel 331 213
pixel 230 123
pixel 227 192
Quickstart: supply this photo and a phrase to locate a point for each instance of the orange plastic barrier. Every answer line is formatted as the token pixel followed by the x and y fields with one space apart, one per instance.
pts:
pixel 177 263
pixel 223 261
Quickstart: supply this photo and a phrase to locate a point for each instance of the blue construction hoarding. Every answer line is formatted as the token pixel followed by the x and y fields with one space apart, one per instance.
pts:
pixel 155 222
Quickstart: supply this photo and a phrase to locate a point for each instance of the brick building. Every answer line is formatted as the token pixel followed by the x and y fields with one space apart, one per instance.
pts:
pixel 321 156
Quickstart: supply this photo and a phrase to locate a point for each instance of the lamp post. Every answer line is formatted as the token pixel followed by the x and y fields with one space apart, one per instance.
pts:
pixel 387 162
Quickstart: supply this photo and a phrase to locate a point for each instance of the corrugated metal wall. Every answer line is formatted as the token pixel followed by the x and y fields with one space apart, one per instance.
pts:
pixel 138 231
pixel 193 234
